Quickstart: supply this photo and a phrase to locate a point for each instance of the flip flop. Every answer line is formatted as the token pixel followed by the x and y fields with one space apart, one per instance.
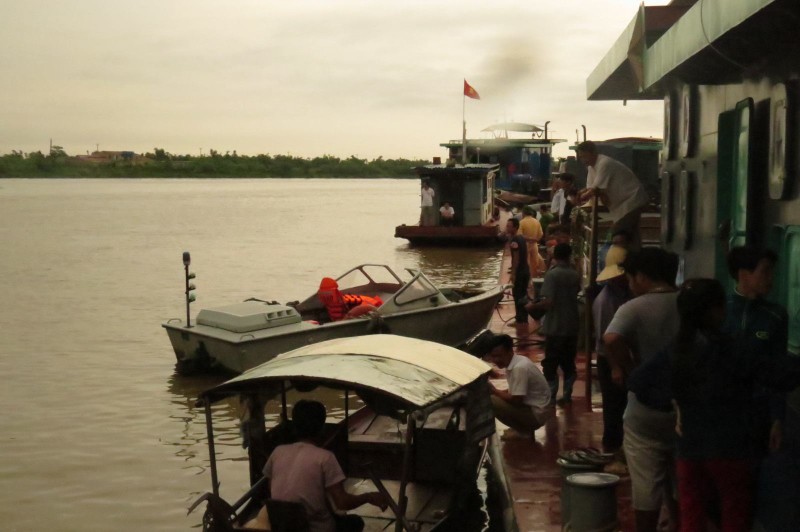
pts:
pixel 591 458
pixel 573 458
pixel 596 452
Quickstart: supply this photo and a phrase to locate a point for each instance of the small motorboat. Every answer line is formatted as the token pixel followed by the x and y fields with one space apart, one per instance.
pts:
pixel 417 418
pixel 240 336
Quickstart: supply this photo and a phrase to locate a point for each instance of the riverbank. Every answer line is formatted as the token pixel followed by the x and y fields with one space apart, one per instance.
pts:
pixel 162 165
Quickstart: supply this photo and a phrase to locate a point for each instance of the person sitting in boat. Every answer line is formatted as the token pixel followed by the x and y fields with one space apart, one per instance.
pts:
pixel 341 306
pixel 447 215
pixel 305 473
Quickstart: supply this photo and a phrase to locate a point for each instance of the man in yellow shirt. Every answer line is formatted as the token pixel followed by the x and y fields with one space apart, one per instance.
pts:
pixel 531 230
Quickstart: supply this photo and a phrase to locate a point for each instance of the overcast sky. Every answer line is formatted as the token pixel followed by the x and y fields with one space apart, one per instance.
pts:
pixel 306 78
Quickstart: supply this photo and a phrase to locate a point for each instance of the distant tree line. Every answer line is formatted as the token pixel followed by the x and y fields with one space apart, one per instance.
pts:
pixel 160 163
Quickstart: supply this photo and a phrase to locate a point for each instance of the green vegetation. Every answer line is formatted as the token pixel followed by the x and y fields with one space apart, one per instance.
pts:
pixel 160 163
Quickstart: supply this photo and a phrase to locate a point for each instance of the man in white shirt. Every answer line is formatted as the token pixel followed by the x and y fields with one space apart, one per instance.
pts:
pixel 428 213
pixel 447 214
pixel 618 188
pixel 525 405
pixel 557 193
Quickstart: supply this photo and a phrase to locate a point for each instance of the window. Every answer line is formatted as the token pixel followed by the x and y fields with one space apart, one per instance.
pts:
pixel 740 222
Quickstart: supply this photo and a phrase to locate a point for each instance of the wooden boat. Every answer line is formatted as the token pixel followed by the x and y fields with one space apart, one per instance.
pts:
pixel 417 420
pixel 469 189
pixel 240 336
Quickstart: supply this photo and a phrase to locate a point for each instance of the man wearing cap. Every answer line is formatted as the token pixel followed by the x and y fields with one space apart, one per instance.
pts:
pixel 615 292
pixel 617 186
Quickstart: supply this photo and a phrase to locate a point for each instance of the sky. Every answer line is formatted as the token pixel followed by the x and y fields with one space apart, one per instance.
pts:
pixel 304 77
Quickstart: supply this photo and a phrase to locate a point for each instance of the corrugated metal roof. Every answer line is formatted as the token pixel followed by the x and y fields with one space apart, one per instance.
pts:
pixel 707 42
pixel 416 372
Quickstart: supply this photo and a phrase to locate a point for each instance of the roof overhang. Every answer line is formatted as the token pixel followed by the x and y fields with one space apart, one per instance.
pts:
pixel 407 371
pixel 711 42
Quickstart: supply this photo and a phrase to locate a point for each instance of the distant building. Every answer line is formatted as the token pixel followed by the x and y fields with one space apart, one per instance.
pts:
pixel 104 157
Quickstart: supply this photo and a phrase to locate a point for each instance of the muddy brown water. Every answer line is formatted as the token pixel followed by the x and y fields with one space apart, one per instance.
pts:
pixel 98 433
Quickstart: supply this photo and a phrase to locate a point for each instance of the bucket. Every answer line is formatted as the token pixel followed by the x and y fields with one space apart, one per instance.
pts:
pixel 567 469
pixel 592 502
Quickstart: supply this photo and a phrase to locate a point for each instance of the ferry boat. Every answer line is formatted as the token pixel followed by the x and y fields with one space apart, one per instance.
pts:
pixel 523 153
pixel 469 189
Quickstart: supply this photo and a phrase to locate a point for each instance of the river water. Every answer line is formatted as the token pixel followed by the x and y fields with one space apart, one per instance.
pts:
pixel 97 433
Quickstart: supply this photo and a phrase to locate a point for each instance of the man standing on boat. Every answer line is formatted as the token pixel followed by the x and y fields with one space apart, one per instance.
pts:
pixel 618 188
pixel 520 273
pixel 428 214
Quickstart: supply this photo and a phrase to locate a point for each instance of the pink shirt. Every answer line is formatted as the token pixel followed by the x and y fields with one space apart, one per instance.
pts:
pixel 300 472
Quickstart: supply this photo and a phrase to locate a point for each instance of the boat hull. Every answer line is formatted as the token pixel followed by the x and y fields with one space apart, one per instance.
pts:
pixel 200 348
pixel 479 235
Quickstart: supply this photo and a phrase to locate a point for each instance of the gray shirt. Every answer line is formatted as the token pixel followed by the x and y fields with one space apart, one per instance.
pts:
pixel 648 323
pixel 561 287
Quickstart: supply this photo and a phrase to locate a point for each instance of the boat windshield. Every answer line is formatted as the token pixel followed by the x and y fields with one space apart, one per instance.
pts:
pixel 418 288
pixel 368 274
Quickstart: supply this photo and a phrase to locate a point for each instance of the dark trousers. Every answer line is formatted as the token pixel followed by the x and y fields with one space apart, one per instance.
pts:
pixel 615 399
pixel 348 523
pixel 559 352
pixel 520 293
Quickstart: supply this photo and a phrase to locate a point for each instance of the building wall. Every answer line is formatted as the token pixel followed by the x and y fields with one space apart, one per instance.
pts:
pixel 700 259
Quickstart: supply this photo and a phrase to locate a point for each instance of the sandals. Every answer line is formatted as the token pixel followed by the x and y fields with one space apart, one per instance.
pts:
pixel 586 456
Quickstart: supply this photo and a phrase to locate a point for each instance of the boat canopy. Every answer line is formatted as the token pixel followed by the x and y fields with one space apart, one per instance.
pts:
pixel 514 126
pixel 409 373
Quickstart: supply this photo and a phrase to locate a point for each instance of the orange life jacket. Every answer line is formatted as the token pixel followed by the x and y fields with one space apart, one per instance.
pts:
pixel 333 300
pixel 354 300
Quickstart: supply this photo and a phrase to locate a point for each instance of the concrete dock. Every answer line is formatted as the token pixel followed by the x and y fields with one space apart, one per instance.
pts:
pixel 529 477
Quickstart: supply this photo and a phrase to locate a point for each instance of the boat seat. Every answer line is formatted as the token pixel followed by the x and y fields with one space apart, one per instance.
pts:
pixel 285 516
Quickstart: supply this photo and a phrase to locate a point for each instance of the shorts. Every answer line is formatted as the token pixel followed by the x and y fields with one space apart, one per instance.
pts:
pixel 651 464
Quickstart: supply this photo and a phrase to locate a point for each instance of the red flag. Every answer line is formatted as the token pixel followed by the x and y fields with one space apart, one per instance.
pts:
pixel 469 92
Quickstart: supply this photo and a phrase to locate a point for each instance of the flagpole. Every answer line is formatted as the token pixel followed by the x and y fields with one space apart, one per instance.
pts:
pixel 463 129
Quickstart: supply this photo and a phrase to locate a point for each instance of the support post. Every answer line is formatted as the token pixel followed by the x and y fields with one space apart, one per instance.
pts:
pixel 212 455
pixel 402 499
pixel 591 289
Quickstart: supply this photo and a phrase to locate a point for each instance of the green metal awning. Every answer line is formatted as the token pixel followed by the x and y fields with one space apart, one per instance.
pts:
pixel 707 42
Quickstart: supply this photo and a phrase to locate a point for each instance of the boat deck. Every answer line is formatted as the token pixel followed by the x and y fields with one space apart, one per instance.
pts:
pixel 529 468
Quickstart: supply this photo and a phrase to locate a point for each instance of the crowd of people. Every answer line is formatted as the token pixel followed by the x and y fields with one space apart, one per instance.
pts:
pixel 693 380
